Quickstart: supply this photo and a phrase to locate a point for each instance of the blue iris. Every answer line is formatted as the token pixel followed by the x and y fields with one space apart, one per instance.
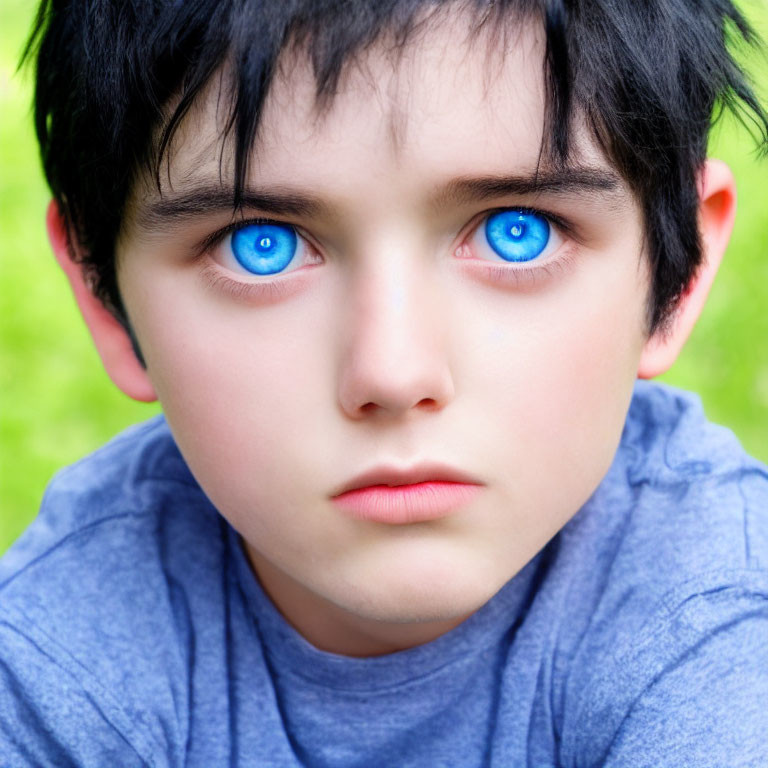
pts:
pixel 264 249
pixel 517 235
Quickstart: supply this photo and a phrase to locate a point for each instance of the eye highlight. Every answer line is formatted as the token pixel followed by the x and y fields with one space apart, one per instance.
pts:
pixel 517 235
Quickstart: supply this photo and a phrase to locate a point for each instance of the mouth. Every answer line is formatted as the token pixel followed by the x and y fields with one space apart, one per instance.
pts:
pixel 402 496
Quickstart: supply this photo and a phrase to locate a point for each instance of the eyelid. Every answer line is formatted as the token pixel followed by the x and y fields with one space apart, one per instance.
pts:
pixel 258 292
pixel 561 226
pixel 521 276
pixel 280 285
pixel 563 223
pixel 212 240
pixel 309 252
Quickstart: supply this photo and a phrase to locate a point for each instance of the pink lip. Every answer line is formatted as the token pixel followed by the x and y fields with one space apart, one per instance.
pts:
pixel 403 504
pixel 400 497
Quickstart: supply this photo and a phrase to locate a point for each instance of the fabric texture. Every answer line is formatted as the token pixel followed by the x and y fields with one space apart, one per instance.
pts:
pixel 133 633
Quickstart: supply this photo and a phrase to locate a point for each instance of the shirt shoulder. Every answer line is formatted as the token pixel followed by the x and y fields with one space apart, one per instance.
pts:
pixel 104 593
pixel 667 601
pixel 112 481
pixel 704 499
pixel 682 500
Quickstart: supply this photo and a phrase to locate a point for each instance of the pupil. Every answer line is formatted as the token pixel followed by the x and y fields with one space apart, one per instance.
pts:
pixel 265 243
pixel 516 230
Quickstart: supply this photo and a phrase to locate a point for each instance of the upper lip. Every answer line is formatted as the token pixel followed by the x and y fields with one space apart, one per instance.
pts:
pixel 419 473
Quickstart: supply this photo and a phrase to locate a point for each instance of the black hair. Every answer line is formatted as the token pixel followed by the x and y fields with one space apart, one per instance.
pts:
pixel 649 77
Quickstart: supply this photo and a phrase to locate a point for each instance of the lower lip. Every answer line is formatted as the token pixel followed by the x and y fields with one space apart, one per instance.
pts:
pixel 402 504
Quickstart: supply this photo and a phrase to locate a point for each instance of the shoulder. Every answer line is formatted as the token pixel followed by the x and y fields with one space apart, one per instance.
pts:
pixel 124 484
pixel 682 512
pixel 681 500
pixel 669 563
pixel 99 595
pixel 668 436
pixel 693 487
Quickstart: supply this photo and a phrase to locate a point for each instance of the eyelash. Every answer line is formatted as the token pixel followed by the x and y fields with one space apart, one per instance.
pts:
pixel 522 278
pixel 266 291
pixel 517 276
pixel 280 287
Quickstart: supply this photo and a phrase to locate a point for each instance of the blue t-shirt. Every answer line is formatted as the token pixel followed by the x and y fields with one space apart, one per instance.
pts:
pixel 133 633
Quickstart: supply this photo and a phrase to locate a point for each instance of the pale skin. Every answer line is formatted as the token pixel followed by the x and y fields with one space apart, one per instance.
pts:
pixel 398 340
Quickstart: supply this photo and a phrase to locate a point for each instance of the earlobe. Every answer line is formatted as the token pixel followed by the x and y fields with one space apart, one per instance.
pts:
pixel 111 339
pixel 717 210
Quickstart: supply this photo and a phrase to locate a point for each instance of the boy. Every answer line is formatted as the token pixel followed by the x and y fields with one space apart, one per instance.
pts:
pixel 392 269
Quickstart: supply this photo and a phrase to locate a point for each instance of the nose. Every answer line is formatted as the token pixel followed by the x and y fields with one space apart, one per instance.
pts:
pixel 394 356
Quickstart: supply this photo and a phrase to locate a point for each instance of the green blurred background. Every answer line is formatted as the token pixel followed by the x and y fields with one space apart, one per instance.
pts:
pixel 57 404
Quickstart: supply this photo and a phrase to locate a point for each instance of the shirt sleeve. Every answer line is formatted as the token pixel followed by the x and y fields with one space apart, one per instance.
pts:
pixel 694 692
pixel 52 713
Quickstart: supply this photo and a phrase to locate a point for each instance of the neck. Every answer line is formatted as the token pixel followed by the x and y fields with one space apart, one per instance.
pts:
pixel 331 628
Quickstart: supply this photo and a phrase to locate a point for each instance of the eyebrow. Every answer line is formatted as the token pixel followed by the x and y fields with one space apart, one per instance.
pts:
pixel 280 201
pixel 572 180
pixel 206 200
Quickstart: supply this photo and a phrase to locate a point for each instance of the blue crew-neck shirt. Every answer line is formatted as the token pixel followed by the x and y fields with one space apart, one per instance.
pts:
pixel 134 633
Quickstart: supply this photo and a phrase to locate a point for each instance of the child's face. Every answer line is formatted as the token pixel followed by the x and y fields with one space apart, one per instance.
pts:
pixel 396 337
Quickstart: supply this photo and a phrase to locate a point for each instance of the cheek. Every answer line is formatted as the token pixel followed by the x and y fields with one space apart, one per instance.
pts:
pixel 239 386
pixel 558 368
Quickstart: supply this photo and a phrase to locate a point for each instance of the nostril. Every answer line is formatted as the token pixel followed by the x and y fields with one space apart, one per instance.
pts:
pixel 426 403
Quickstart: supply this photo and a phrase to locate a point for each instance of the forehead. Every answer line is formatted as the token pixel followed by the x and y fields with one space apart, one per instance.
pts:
pixel 447 80
pixel 455 100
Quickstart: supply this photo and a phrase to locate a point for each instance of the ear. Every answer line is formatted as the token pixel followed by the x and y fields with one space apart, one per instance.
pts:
pixel 717 210
pixel 111 339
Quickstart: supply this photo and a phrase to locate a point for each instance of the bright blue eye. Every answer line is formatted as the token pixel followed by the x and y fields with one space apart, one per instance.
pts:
pixel 517 235
pixel 264 249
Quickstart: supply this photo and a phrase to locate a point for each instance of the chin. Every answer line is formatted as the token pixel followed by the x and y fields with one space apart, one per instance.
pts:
pixel 423 594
